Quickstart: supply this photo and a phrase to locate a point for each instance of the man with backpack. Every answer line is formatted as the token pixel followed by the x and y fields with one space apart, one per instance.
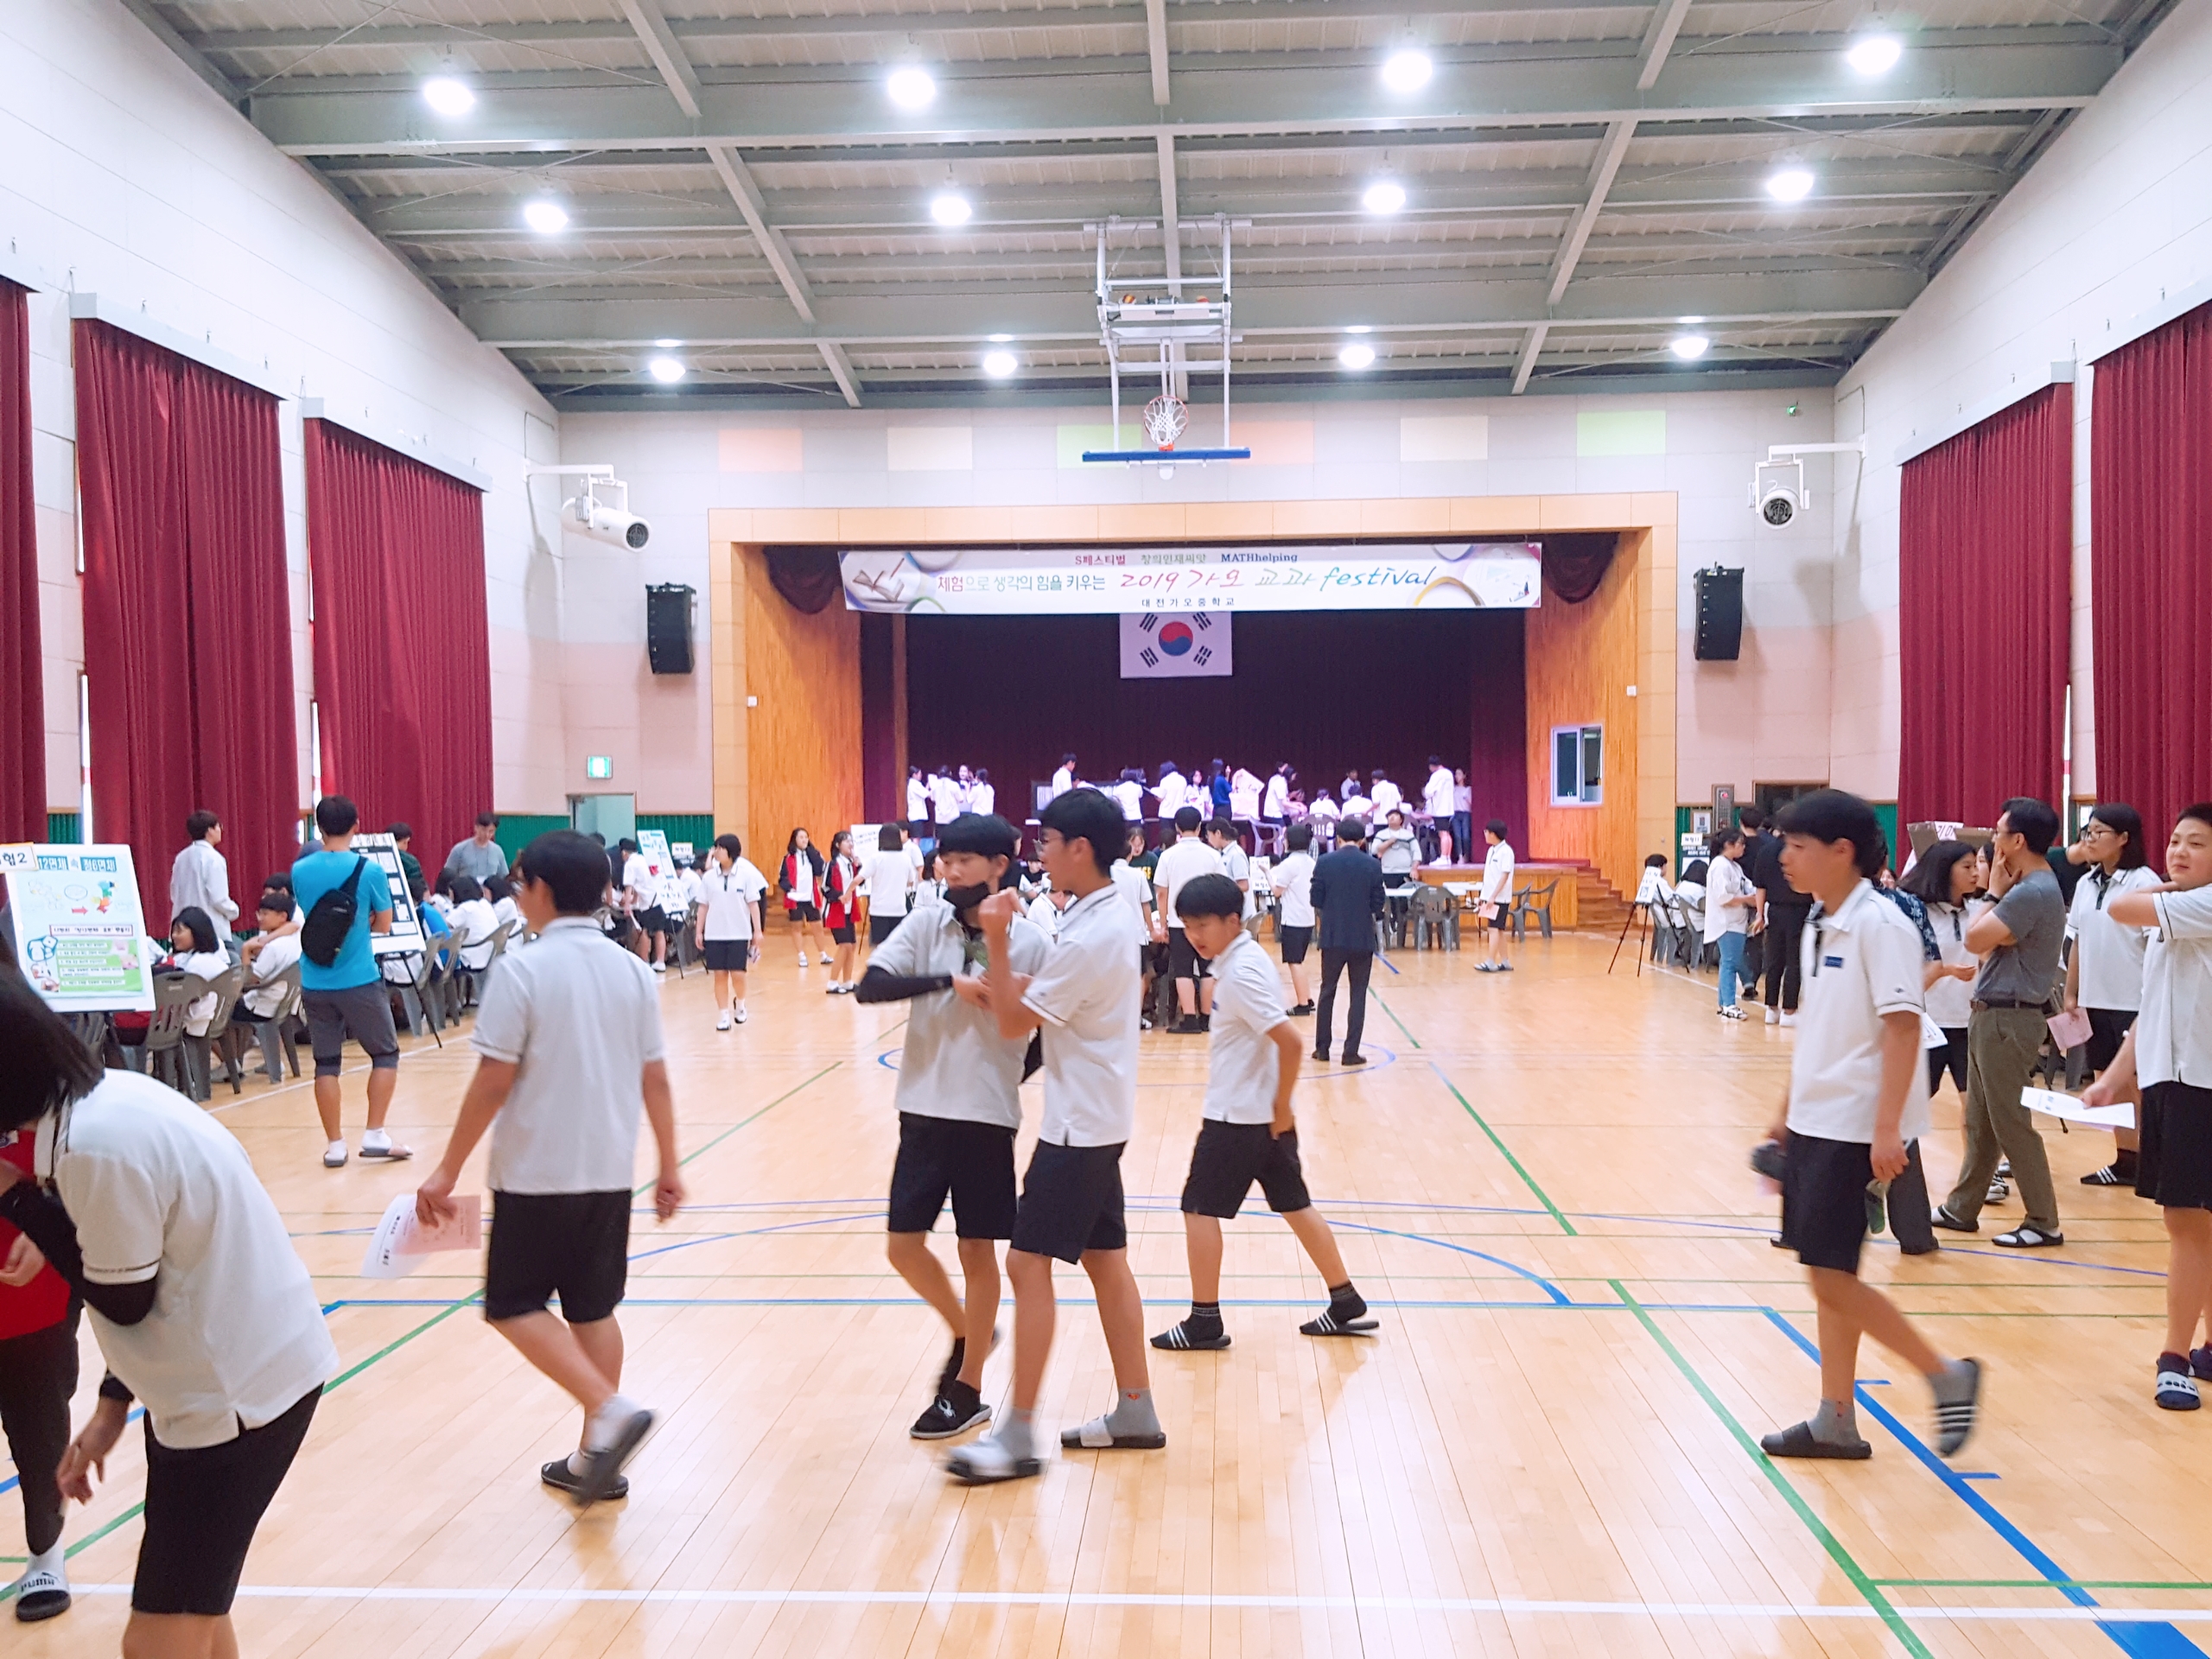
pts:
pixel 346 897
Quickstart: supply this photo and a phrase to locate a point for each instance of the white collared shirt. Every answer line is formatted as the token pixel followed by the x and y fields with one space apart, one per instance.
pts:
pixel 1171 794
pixel 2110 955
pixel 728 896
pixel 1436 794
pixel 1950 1002
pixel 1243 1065
pixel 1859 964
pixel 581 1017
pixel 1179 862
pixel 1498 873
pixel 161 1189
pixel 2173 1035
pixel 1278 796
pixel 200 876
pixel 278 952
pixel 1725 878
pixel 1387 795
pixel 955 1063
pixel 983 799
pixel 944 796
pixel 1294 879
pixel 1063 781
pixel 1087 993
pixel 1129 882
pixel 917 801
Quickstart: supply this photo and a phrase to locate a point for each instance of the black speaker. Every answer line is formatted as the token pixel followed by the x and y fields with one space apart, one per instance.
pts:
pixel 1719 615
pixel 668 627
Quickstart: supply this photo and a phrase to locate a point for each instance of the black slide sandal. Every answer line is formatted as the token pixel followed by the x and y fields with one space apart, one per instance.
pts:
pixel 1798 1441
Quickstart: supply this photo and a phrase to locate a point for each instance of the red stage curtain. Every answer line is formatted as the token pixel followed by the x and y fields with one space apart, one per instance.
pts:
pixel 403 656
pixel 2151 572
pixel 1984 553
pixel 22 667
pixel 187 610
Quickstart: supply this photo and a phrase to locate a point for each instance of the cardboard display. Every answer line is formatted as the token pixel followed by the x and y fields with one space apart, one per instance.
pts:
pixel 75 921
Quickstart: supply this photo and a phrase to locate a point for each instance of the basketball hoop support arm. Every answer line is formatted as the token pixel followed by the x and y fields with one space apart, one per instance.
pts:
pixel 1155 312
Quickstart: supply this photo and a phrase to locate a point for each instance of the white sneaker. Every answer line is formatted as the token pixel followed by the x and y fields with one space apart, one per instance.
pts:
pixel 1789 1019
pixel 722 1020
pixel 1736 1012
pixel 741 1013
pixel 802 958
pixel 825 958
pixel 660 967
pixel 1773 1016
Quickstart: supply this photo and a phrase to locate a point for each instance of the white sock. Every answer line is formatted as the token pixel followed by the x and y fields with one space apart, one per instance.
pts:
pixel 599 1432
pixel 577 1463
pixel 55 1560
pixel 335 1145
pixel 377 1138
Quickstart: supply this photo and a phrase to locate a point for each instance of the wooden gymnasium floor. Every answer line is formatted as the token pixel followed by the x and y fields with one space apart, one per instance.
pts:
pixel 1548 1449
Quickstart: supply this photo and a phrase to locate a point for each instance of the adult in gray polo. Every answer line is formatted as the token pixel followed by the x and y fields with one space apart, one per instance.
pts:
pixel 2018 941
pixel 480 856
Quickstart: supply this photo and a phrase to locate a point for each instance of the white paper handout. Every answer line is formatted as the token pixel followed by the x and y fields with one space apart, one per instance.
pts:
pixel 401 1242
pixel 2054 1104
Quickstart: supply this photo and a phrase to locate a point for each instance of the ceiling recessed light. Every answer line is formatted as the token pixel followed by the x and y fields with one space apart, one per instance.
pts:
pixel 668 345
pixel 999 365
pixel 1689 323
pixel 910 88
pixel 667 370
pixel 1000 339
pixel 1407 71
pixel 1359 328
pixel 949 207
pixel 1877 54
pixel 1791 184
pixel 448 95
pixel 1383 196
pixel 545 216
pixel 1357 355
pixel 1688 348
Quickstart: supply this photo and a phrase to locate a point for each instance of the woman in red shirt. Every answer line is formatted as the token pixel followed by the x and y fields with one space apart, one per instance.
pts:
pixel 38 1375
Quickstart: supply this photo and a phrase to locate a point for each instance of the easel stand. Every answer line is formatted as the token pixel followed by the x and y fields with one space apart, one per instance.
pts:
pixel 1638 917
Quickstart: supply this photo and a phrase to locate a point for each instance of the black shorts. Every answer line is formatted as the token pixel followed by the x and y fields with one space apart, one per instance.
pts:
pixel 2173 1166
pixel 654 919
pixel 1230 1157
pixel 2107 1028
pixel 573 1245
pixel 728 956
pixel 361 1012
pixel 1824 1200
pixel 202 1505
pixel 971 1162
pixel 1500 915
pixel 1184 962
pixel 880 928
pixel 1296 942
pixel 1070 1202
pixel 844 934
pixel 805 912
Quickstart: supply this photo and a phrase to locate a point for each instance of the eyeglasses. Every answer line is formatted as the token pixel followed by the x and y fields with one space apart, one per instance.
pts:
pixel 2094 831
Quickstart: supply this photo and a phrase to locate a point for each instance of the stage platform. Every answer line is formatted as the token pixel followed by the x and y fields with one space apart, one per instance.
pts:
pixel 1581 898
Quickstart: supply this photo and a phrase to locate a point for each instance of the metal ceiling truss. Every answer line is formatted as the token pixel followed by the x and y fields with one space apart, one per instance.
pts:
pixel 1582 175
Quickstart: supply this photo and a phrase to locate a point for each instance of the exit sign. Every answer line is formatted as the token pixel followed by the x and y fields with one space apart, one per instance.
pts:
pixel 599 766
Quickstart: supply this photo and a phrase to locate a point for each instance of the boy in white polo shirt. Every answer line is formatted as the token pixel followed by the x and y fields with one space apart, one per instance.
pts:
pixel 959 1103
pixel 1496 896
pixel 1858 1096
pixel 1085 999
pixel 1180 860
pixel 569 1056
pixel 1249 1133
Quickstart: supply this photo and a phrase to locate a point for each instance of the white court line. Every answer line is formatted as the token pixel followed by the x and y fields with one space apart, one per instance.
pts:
pixel 1510 1608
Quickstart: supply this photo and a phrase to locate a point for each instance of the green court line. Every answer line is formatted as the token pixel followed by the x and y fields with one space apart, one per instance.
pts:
pixel 1394 1021
pixel 648 1186
pixel 1505 1152
pixel 1843 1557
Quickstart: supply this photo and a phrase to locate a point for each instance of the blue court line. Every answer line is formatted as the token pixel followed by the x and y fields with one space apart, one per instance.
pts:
pixel 2146 1641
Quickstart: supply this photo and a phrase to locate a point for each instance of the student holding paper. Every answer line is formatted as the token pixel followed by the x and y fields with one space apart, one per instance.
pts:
pixel 570 1056
pixel 2168 1053
pixel 2104 976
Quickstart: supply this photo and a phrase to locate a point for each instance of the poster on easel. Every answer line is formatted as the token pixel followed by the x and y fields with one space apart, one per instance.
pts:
pixel 405 938
pixel 74 922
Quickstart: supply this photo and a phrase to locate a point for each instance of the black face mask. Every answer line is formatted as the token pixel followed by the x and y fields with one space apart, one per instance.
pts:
pixel 966 898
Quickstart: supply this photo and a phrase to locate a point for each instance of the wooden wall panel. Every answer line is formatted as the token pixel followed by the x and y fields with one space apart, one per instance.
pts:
pixel 803 731
pixel 1581 661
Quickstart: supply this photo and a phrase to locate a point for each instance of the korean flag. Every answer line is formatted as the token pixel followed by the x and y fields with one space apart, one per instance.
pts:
pixel 1175 644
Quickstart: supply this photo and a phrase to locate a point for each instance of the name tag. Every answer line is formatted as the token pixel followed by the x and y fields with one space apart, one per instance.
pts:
pixel 1831 962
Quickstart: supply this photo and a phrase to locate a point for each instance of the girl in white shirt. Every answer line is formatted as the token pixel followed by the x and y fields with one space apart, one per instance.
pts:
pixel 801 879
pixel 729 924
pixel 1292 880
pixel 193 949
pixel 1730 898
pixel 473 922
pixel 2104 975
pixel 1944 879
pixel 887 878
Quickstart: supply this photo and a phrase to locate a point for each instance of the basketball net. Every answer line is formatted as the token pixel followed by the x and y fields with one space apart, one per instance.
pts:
pixel 1164 419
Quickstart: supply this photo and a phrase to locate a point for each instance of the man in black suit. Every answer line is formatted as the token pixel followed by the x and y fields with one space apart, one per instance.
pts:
pixel 1347 889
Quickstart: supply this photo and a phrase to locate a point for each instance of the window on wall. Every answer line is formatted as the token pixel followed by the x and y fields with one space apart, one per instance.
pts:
pixel 1578 766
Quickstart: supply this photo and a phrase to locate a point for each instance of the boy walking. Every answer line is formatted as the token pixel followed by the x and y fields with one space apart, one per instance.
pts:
pixel 1249 1133
pixel 1858 1096
pixel 1085 999
pixel 569 1040
pixel 342 992
pixel 959 1104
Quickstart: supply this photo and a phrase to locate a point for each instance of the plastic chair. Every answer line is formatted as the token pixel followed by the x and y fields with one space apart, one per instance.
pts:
pixel 227 986
pixel 1533 903
pixel 167 1058
pixel 1436 920
pixel 471 980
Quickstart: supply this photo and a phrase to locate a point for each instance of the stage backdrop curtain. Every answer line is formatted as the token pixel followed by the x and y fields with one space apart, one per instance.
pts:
pixel 403 657
pixel 1984 555
pixel 1574 564
pixel 2151 572
pixel 22 666
pixel 1324 690
pixel 807 577
pixel 188 611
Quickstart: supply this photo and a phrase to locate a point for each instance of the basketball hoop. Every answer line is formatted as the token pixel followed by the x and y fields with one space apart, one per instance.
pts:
pixel 1166 419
